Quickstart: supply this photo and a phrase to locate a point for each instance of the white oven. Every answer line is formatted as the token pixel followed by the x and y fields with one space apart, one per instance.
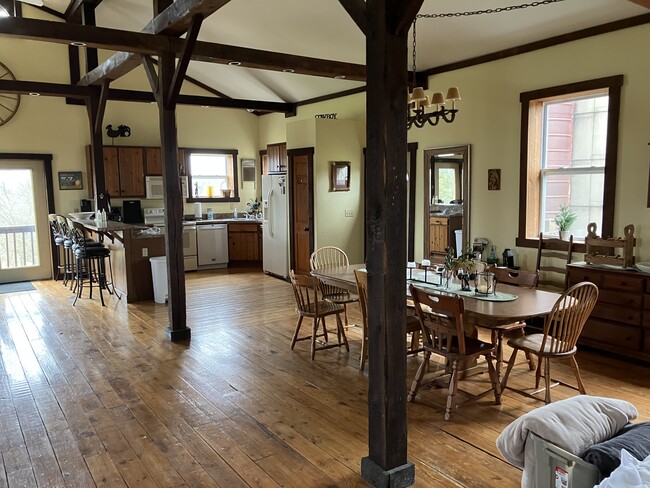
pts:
pixel 156 190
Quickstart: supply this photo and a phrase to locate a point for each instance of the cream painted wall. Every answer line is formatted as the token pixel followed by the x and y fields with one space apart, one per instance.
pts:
pixel 489 122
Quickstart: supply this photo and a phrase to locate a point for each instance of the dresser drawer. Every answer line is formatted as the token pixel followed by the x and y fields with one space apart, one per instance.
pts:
pixel 439 221
pixel 576 275
pixel 623 299
pixel 617 314
pixel 621 336
pixel 623 283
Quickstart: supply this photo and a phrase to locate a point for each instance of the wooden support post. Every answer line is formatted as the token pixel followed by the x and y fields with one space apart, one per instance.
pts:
pixel 174 204
pixel 386 55
pixel 88 18
pixel 95 110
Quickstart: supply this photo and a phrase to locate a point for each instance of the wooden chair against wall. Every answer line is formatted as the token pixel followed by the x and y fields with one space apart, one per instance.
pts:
pixel 327 257
pixel 552 257
pixel 306 291
pixel 412 322
pixel 444 334
pixel 562 328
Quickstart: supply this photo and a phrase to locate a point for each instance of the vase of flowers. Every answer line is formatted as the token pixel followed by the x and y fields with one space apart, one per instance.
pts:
pixel 254 207
pixel 463 267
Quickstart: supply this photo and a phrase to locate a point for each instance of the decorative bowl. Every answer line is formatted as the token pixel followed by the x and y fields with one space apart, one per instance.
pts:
pixel 643 267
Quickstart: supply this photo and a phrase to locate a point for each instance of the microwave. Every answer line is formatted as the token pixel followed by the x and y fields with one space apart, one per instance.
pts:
pixel 156 190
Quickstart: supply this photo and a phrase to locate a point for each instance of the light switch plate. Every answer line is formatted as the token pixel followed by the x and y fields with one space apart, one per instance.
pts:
pixel 349 212
pixel 145 252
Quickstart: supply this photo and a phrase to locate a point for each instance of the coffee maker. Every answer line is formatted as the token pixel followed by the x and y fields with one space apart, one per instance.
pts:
pixel 85 205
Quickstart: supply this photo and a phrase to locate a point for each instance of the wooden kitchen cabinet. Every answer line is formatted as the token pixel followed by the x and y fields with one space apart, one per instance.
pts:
pixel 442 234
pixel 620 321
pixel 123 171
pixel 153 161
pixel 244 242
pixel 276 157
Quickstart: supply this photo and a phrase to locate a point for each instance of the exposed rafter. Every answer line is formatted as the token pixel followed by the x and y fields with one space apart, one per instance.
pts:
pixel 137 42
pixel 643 3
pixel 82 92
pixel 184 60
pixel 357 10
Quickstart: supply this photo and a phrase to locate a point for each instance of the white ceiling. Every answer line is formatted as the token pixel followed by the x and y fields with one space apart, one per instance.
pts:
pixel 322 29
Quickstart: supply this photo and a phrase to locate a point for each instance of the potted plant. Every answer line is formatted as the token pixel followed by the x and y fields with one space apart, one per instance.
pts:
pixel 463 266
pixel 564 220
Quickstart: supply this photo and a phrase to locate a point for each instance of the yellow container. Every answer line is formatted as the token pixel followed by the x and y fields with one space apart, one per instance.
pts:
pixel 210 190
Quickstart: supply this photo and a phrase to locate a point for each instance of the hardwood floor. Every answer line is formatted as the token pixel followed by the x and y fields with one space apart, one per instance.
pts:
pixel 96 396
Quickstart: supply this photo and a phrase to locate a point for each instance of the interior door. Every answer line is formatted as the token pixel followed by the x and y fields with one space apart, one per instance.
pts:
pixel 302 211
pixel 24 226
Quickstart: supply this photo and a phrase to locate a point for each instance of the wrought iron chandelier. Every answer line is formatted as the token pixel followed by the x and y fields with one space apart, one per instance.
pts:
pixel 419 103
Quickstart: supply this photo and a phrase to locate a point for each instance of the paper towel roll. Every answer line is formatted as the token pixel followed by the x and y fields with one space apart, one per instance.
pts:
pixel 198 210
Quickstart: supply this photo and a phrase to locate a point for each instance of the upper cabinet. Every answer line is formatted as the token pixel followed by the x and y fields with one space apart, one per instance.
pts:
pixel 276 158
pixel 153 161
pixel 123 171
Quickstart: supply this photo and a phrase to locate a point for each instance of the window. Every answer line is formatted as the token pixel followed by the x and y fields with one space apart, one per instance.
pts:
pixel 569 143
pixel 212 175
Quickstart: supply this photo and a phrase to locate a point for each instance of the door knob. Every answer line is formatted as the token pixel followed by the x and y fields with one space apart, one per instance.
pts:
pixel 306 229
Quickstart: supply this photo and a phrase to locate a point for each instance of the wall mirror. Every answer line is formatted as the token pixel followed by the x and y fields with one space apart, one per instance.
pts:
pixel 446 200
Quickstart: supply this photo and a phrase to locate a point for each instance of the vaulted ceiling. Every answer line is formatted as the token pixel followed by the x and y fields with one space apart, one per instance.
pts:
pixel 323 29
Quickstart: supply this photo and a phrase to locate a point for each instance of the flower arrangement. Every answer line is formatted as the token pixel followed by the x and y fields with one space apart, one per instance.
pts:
pixel 254 206
pixel 463 266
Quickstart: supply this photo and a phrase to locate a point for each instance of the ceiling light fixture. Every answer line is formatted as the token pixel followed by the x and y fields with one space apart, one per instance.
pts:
pixel 287 70
pixel 78 44
pixel 34 94
pixel 339 77
pixel 418 102
pixel 235 63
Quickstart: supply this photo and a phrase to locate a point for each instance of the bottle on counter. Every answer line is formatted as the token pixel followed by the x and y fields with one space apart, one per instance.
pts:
pixel 492 257
pixel 210 214
pixel 235 214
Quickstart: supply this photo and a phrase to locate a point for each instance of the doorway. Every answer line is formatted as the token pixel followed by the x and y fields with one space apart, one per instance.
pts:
pixel 301 204
pixel 24 229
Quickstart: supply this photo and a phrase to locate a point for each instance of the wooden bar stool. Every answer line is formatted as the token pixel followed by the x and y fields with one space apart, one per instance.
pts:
pixel 91 267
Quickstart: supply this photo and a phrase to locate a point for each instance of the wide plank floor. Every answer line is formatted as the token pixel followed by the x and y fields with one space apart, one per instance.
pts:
pixel 96 396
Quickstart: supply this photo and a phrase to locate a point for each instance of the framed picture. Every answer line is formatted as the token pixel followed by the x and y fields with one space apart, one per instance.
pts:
pixel 70 180
pixel 340 176
pixel 494 179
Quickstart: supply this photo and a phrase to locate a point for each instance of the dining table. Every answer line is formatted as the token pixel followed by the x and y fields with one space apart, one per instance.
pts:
pixel 480 311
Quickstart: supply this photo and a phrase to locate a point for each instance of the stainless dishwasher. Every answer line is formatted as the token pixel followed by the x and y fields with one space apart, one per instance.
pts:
pixel 212 245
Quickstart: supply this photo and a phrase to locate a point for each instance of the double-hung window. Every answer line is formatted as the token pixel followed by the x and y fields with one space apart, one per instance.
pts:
pixel 212 175
pixel 569 143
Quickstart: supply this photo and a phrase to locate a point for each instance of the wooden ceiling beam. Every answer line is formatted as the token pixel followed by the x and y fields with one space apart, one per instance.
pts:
pixel 73 12
pixel 184 61
pixel 358 11
pixel 137 42
pixel 83 92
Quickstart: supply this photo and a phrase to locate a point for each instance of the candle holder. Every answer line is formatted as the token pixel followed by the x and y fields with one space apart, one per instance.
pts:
pixel 485 284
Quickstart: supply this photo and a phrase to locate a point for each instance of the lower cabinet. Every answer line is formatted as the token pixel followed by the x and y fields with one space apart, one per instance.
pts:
pixel 442 234
pixel 620 321
pixel 245 241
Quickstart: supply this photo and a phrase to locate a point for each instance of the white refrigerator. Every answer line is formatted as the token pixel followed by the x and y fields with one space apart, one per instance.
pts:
pixel 275 227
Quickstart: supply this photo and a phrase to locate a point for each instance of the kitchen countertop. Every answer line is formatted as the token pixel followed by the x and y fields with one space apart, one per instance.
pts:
pixel 225 221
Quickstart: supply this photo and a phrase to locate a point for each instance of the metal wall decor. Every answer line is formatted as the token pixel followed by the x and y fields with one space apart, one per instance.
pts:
pixel 9 102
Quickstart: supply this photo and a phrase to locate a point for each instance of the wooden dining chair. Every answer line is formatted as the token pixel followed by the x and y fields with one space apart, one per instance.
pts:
pixel 562 328
pixel 443 333
pixel 306 290
pixel 327 257
pixel 514 277
pixel 412 322
pixel 552 257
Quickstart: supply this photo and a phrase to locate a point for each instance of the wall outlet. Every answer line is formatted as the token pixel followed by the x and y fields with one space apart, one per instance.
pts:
pixel 349 212
pixel 145 252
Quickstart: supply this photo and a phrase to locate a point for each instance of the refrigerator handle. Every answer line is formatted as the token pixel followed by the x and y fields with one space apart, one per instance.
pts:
pixel 270 212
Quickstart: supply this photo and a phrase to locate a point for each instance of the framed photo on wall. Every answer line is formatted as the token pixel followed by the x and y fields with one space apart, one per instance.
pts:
pixel 494 179
pixel 70 180
pixel 340 176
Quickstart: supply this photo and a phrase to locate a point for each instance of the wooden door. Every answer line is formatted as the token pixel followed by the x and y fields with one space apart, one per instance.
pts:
pixel 302 212
pixel 131 161
pixel 111 171
pixel 153 156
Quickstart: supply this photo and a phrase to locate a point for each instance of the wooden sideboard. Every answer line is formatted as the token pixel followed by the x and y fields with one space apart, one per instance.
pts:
pixel 620 322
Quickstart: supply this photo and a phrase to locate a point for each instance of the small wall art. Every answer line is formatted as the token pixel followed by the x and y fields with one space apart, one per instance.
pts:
pixel 494 179
pixel 70 180
pixel 340 176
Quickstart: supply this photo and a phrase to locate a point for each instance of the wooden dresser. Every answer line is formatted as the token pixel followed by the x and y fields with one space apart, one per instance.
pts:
pixel 442 235
pixel 620 322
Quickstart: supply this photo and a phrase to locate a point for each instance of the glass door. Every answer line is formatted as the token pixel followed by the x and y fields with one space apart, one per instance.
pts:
pixel 24 231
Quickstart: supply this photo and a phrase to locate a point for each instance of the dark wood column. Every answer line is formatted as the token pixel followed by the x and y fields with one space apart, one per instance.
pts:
pixel 386 57
pixel 95 105
pixel 178 329
pixel 88 18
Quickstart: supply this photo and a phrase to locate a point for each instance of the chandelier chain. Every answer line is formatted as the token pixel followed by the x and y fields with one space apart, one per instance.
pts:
pixel 488 11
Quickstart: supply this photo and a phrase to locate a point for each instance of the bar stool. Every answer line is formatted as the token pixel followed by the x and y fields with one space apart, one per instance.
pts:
pixel 58 237
pixel 91 268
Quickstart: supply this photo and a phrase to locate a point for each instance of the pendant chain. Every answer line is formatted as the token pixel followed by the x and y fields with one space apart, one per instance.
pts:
pixel 489 10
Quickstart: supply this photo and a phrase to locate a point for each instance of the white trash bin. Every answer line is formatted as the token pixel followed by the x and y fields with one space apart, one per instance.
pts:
pixel 459 242
pixel 159 278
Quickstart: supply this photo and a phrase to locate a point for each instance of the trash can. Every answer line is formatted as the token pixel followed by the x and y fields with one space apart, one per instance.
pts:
pixel 459 242
pixel 159 278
